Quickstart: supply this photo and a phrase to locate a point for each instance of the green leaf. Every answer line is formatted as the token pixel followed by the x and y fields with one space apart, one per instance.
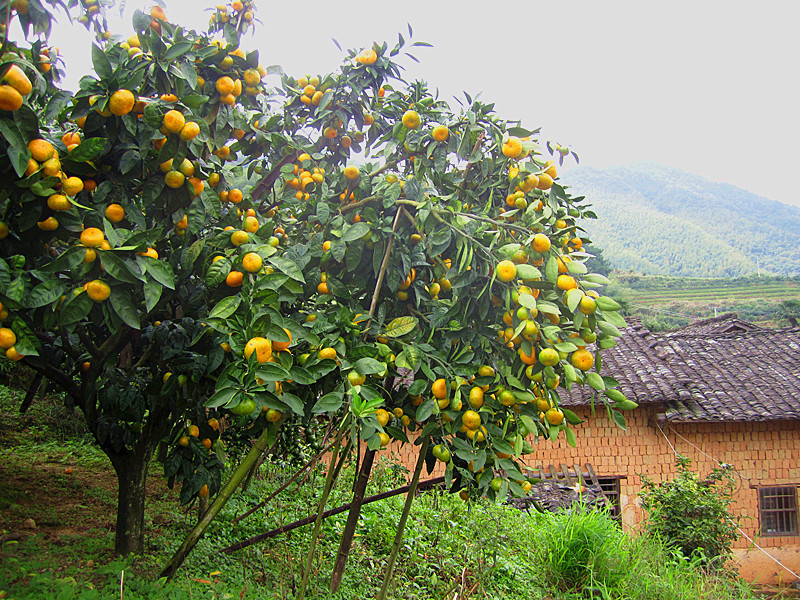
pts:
pixel 75 308
pixel 528 301
pixel 551 270
pixel 102 66
pixel 123 306
pixel 270 371
pixel 596 278
pixel 329 403
pixel 152 294
pixel 576 267
pixel 287 266
pixel 302 376
pixel 117 267
pixel 217 272
pixel 177 49
pixel 619 419
pixel 45 293
pixel 528 273
pixel 566 347
pixel 570 416
pixel 595 381
pixel 86 150
pixel 225 307
pixel 369 366
pixel 615 319
pixel 67 261
pixel 221 397
pixel 355 232
pixel 401 326
pixel 294 403
pixel 574 297
pixel 426 409
pixel 606 303
pixel 570 435
pixel 160 270
pixel 608 328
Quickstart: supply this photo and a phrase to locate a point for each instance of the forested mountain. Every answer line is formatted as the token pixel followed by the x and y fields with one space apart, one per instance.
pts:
pixel 662 220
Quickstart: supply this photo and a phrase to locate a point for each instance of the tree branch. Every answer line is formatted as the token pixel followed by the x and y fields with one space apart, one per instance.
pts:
pixel 269 180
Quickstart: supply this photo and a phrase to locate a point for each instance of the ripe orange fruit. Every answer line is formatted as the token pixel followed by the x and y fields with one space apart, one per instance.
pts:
pixel 7 338
pixel 554 416
pixel 58 202
pixel 98 290
pixel 545 182
pixel 512 147
pixel 92 237
pixel 235 195
pixel 582 359
pixel 189 131
pixel 381 414
pixel 588 305
pixel 261 346
pixel 506 270
pixel 203 493
pixel 72 186
pixel 251 262
pixel 322 288
pixel 17 79
pixel 476 397
pixel 329 353
pixel 384 439
pixel 439 389
pixel 411 119
pixel 239 237
pixel 566 282
pixel 174 179
pixel 49 224
pixel 367 57
pixel 351 172
pixel 174 121
pixel 541 243
pixel 250 224
pixel 12 354
pixel 41 150
pixel 528 359
pixel 471 419
pixel 234 279
pixel 549 357
pixel 10 98
pixel 281 346
pixel 151 252
pixel 440 133
pixel 121 102
pixel 194 431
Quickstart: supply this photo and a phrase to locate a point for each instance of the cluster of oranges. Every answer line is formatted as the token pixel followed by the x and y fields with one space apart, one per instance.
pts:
pixel 302 180
pixel 7 340
pixel 14 87
pixel 45 160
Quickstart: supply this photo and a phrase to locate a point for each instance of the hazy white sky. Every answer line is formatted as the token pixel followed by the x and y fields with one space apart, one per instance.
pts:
pixel 707 86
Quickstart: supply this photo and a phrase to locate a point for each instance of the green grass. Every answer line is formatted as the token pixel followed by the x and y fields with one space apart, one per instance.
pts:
pixel 58 529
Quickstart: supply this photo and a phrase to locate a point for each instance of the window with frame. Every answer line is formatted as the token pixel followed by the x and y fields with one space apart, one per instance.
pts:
pixel 777 507
pixel 611 489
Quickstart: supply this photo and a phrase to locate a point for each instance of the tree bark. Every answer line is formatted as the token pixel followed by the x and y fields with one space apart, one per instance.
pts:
pixel 131 467
pixel 352 520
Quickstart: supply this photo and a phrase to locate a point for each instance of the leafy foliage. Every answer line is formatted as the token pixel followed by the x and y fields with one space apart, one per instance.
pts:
pixel 691 514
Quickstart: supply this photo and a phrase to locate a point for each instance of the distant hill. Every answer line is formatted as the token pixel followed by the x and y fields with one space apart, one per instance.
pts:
pixel 661 220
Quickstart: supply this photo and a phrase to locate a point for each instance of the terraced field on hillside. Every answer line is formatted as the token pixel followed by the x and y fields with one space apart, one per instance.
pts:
pixel 665 302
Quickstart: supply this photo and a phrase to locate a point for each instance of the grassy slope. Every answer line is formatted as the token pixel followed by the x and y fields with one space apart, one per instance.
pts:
pixel 57 505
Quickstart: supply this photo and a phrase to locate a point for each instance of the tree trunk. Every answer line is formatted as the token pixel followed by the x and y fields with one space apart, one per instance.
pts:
pixel 352 520
pixel 131 467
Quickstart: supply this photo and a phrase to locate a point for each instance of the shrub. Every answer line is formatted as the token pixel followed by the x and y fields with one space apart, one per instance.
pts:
pixel 691 514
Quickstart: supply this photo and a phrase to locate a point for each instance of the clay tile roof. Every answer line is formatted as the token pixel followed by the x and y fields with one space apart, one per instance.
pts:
pixel 719 369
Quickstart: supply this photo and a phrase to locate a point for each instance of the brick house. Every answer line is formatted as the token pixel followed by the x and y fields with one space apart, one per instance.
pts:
pixel 720 390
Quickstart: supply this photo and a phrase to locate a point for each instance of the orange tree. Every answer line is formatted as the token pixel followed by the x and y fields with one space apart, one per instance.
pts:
pixel 184 251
